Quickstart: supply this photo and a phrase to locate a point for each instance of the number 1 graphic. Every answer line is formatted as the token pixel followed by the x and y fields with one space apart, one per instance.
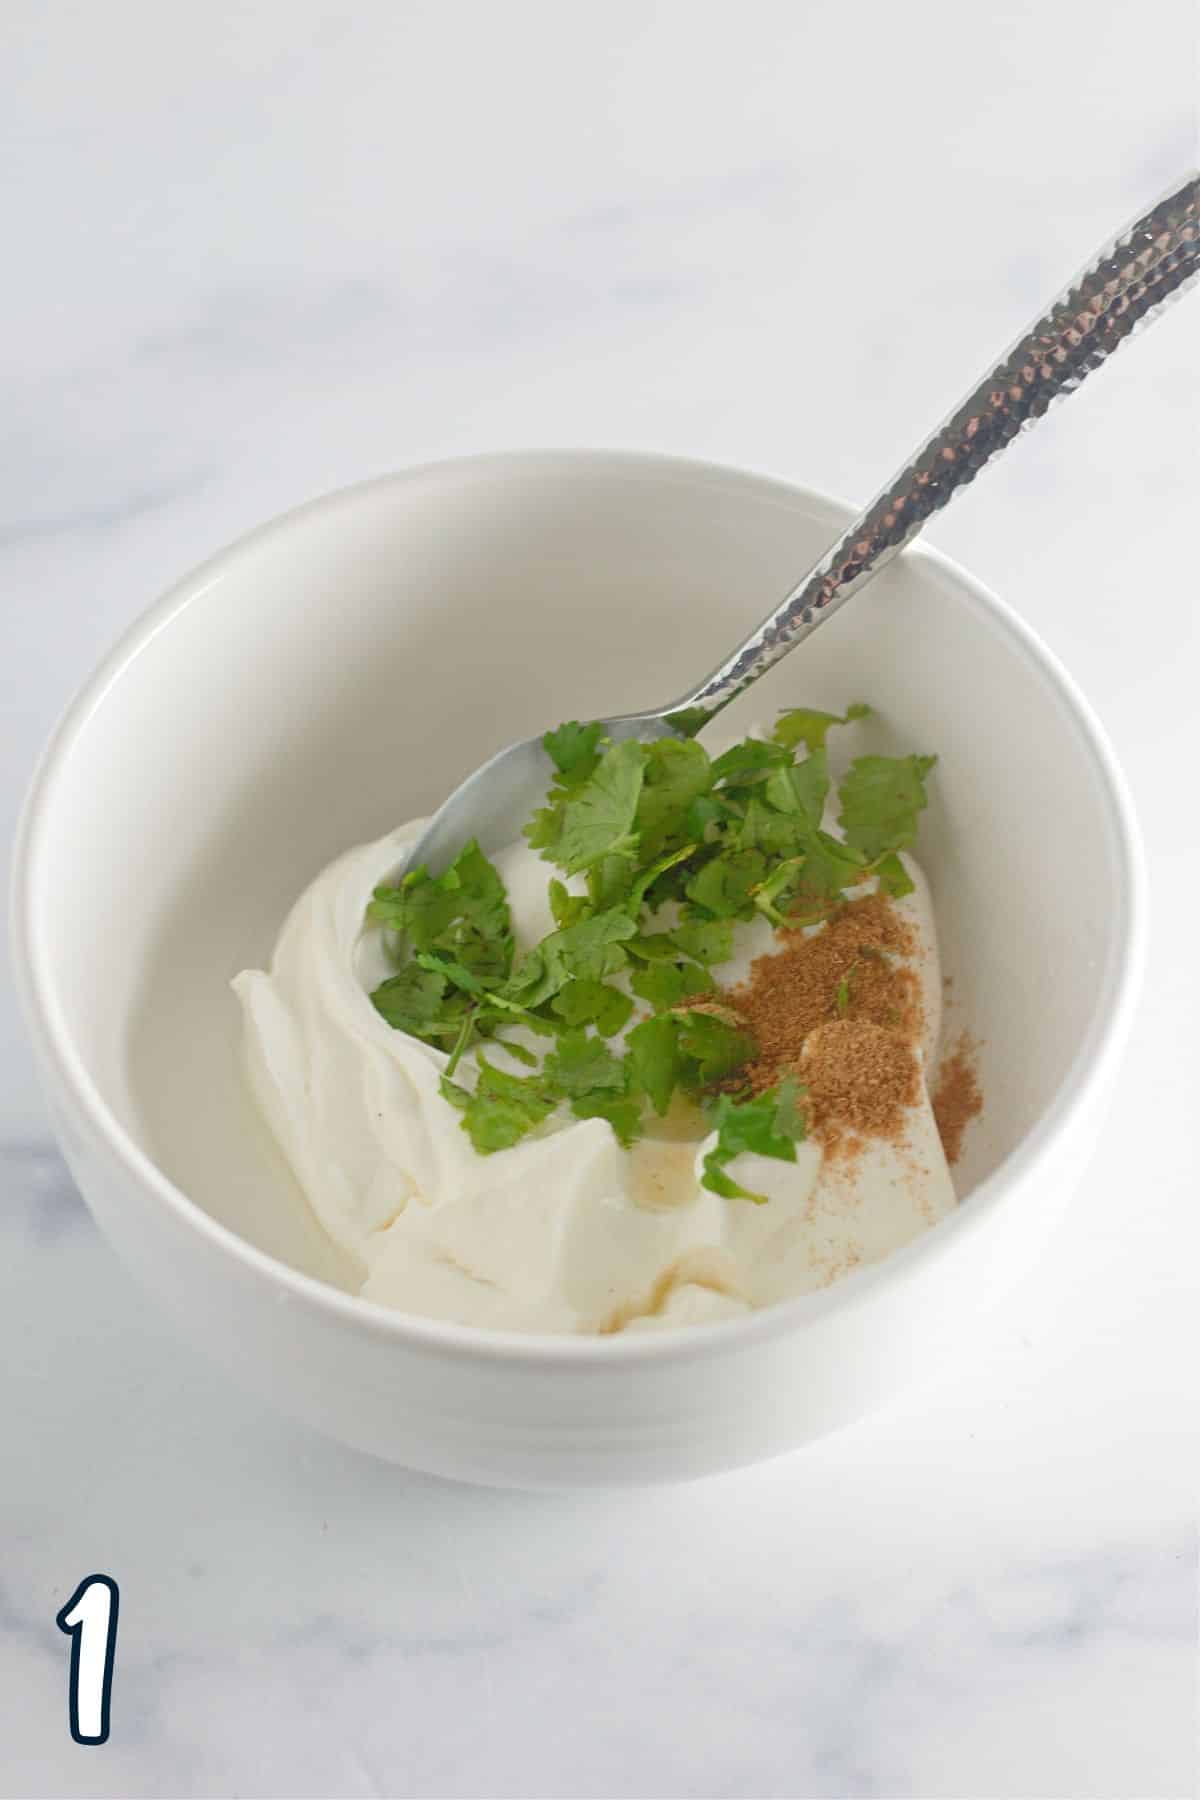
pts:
pixel 90 1620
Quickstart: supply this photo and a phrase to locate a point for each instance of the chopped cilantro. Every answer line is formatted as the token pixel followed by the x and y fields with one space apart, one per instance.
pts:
pixel 583 1065
pixel 655 1060
pixel 676 774
pixel 894 878
pixel 781 882
pixel 567 908
pixel 503 1108
pixel 748 761
pixel 451 971
pixel 705 811
pixel 597 820
pixel 646 824
pixel 771 1126
pixel 458 928
pixel 586 951
pixel 723 887
pixel 463 913
pixel 774 832
pixel 805 725
pixel 800 788
pixel 881 797
pixel 545 828
pixel 623 1112
pixel 648 877
pixel 712 1045
pixel 705 940
pixel 574 751
pixel 415 1001
pixel 655 946
pixel 664 984
pixel 592 1002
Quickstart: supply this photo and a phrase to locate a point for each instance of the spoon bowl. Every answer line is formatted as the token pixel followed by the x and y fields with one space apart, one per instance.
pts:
pixel 494 804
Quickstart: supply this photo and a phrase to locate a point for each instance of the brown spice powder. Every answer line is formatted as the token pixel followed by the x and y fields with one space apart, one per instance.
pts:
pixel 957 1098
pixel 860 1080
pixel 843 970
pixel 837 1009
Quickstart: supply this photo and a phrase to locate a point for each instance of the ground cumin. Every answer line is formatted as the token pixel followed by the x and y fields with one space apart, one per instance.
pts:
pixel 845 970
pixel 842 974
pixel 860 1079
pixel 956 1098
pixel 840 1010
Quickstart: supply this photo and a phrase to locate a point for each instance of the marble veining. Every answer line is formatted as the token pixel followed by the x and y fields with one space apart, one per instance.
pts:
pixel 254 253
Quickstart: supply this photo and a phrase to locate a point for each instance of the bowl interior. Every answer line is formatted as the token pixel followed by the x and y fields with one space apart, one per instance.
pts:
pixel 340 671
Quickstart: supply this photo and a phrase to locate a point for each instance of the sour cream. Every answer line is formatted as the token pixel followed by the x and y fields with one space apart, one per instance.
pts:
pixel 565 1231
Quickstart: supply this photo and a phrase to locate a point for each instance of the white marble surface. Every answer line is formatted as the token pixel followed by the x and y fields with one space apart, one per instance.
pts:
pixel 258 250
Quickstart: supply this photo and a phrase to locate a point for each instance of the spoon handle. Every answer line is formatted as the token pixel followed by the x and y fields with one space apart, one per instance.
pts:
pixel 1128 283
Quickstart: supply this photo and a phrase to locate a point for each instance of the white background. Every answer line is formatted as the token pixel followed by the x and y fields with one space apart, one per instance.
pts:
pixel 256 251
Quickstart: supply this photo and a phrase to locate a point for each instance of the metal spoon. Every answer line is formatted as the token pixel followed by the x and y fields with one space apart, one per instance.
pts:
pixel 1128 283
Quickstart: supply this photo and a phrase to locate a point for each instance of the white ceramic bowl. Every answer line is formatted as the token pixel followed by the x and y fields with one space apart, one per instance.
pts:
pixel 337 672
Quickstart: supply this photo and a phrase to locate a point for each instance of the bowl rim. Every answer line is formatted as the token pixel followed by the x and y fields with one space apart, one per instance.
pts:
pixel 1094 1059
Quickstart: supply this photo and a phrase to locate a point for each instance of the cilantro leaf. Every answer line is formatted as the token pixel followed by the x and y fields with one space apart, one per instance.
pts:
pixel 831 865
pixel 748 761
pixel 573 749
pixel 415 1001
pixel 894 878
pixel 583 1065
pixel 801 788
pixel 609 882
pixel 458 927
pixel 654 946
pixel 503 1108
pixel 482 903
pixel 592 948
pixel 622 1112
pixel 453 972
pixel 653 873
pixel 676 774
pixel 654 1061
pixel 463 913
pixel 789 1120
pixel 771 1126
pixel 712 1045
pixel 706 940
pixel 774 832
pixel 544 830
pixel 810 882
pixel 880 799
pixel 706 810
pixel 783 880
pixel 567 908
pixel 420 908
pixel 664 984
pixel 584 1070
pixel 806 725
pixel 587 951
pixel 597 819
pixel 592 1002
pixel 724 885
